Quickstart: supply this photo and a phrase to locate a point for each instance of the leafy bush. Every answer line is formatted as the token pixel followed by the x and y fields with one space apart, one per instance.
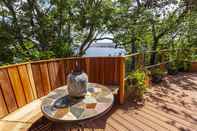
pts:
pixel 183 66
pixel 136 84
pixel 157 75
pixel 180 60
pixel 172 68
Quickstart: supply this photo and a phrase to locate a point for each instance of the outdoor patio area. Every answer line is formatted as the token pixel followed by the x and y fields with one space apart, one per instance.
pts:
pixel 172 105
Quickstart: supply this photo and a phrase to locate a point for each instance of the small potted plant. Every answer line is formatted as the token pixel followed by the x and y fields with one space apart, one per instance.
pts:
pixel 136 84
pixel 157 75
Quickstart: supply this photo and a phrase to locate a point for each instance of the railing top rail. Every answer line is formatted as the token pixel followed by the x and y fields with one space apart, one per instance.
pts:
pixel 158 51
pixel 56 59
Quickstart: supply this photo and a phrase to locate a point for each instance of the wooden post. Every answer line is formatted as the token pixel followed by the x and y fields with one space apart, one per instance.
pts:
pixel 162 65
pixel 121 80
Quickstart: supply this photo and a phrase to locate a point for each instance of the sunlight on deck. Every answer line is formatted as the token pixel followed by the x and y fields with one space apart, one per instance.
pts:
pixel 172 105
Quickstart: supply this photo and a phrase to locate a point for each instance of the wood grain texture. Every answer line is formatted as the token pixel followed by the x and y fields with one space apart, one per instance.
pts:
pixel 34 80
pixel 29 113
pixel 30 73
pixel 53 68
pixel 3 107
pixel 45 78
pixel 62 72
pixel 87 66
pixel 107 71
pixel 17 86
pixel 38 80
pixel 117 71
pixel 26 83
pixel 7 91
pixel 13 126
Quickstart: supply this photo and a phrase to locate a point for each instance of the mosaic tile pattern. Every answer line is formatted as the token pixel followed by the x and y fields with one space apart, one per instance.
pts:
pixel 97 100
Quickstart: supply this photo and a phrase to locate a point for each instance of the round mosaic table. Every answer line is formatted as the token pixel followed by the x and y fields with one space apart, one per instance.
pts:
pixel 59 107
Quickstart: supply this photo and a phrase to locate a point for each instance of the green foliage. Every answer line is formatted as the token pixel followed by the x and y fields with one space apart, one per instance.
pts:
pixel 42 29
pixel 157 74
pixel 172 68
pixel 181 59
pixel 34 30
pixel 136 84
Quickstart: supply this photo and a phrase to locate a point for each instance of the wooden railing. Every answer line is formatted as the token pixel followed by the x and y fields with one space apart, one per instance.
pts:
pixel 143 59
pixel 22 83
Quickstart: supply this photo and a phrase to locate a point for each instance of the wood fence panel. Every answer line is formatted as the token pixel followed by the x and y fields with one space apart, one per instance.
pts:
pixel 20 84
pixel 38 80
pixel 98 67
pixel 30 73
pixel 102 73
pixel 104 70
pixel 17 86
pixel 45 78
pixel 92 70
pixel 97 73
pixel 116 71
pixel 66 69
pixel 58 74
pixel 62 72
pixel 112 71
pixel 55 74
pixel 3 108
pixel 7 91
pixel 82 64
pixel 26 83
pixel 107 71
pixel 52 74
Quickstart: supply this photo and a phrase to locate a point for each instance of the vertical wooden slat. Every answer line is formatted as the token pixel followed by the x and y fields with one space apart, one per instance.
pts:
pixel 87 63
pixel 102 75
pixel 17 86
pixel 116 71
pixel 53 73
pixel 92 70
pixel 107 71
pixel 45 78
pixel 83 64
pixel 122 82
pixel 112 72
pixel 7 91
pixel 3 108
pixel 56 72
pixel 62 72
pixel 30 73
pixel 99 70
pixel 26 83
pixel 66 69
pixel 96 71
pixel 38 80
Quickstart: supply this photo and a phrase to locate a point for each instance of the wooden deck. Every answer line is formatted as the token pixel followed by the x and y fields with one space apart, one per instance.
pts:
pixel 171 105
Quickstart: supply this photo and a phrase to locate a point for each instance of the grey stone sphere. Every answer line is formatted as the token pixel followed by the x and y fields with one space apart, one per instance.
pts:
pixel 77 83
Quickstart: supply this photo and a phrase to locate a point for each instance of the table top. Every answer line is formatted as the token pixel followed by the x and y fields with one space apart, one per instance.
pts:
pixel 98 100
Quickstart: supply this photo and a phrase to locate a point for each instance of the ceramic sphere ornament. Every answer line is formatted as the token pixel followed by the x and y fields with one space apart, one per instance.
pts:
pixel 77 83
